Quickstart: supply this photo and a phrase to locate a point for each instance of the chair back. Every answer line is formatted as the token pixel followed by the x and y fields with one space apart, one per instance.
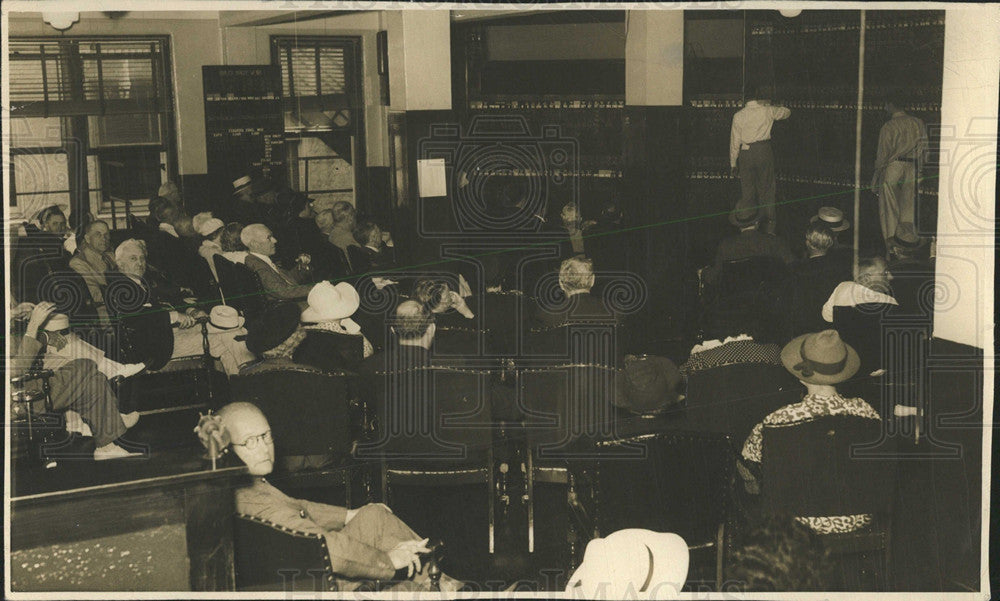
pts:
pixel 308 409
pixel 740 394
pixel 749 274
pixel 433 418
pixel 269 558
pixel 239 286
pixel 565 404
pixel 666 481
pixel 862 327
pixel 330 351
pixel 808 468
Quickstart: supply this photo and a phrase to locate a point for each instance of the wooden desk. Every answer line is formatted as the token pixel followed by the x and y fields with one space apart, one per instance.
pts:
pixel 157 523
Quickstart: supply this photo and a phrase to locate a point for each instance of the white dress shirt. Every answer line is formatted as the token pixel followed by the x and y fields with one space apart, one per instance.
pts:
pixel 752 124
pixel 850 294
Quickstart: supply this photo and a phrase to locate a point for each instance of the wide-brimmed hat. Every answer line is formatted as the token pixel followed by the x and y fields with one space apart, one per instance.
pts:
pixel 272 328
pixel 906 237
pixel 632 561
pixel 832 217
pixel 649 384
pixel 241 183
pixel 56 322
pixel 744 217
pixel 328 302
pixel 225 317
pixel 820 358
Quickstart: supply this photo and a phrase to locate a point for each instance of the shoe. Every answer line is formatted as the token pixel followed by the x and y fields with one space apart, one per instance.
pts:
pixel 75 424
pixel 112 451
pixel 130 419
pixel 130 369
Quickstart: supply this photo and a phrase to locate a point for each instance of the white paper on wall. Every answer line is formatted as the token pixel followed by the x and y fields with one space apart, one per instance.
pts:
pixel 431 178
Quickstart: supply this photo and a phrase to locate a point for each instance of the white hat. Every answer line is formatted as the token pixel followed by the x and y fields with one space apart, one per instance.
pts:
pixel 241 182
pixel 225 317
pixel 199 219
pixel 328 302
pixel 56 322
pixel 207 228
pixel 632 563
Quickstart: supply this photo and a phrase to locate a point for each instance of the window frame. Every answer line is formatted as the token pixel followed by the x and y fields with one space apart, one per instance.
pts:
pixel 354 102
pixel 76 131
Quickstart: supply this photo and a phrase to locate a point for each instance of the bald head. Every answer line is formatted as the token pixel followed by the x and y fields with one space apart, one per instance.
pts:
pixel 413 324
pixel 248 428
pixel 257 237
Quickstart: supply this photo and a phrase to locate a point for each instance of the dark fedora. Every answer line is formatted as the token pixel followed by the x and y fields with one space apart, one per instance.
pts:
pixel 906 237
pixel 744 217
pixel 649 384
pixel 273 327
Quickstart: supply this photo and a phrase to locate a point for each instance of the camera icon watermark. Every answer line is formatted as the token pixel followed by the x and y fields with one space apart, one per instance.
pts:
pixel 502 173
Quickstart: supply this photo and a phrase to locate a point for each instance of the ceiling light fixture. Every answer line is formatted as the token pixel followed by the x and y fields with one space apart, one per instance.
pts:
pixel 61 21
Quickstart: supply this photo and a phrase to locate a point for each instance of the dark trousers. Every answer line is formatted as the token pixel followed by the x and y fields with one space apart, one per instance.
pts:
pixel 756 167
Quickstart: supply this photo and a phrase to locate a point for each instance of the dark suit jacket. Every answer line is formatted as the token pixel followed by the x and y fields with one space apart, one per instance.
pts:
pixel 814 281
pixel 752 243
pixel 144 311
pixel 330 351
pixel 912 287
pixel 277 285
pixel 178 261
pixel 366 260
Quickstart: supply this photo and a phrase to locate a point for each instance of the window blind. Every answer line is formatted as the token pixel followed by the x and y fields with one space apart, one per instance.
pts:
pixel 87 77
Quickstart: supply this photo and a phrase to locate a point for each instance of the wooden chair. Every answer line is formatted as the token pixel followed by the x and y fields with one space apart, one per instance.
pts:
pixel 239 286
pixel 808 469
pixel 671 481
pixel 271 558
pixel 442 444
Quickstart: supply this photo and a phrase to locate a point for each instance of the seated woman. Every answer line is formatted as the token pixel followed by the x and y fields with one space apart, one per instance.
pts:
pixel 368 543
pixel 332 340
pixel 820 361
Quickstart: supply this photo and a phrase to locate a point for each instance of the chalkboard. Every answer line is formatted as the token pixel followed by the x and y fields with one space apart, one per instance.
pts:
pixel 244 122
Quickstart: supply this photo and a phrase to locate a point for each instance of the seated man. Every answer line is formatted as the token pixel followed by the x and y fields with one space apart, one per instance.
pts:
pixel 93 260
pixel 375 251
pixel 576 279
pixel 364 544
pixel 39 253
pixel 210 229
pixel 278 284
pixel 913 272
pixel 342 230
pixel 171 252
pixel 820 361
pixel 77 385
pixel 816 277
pixel 856 309
pixel 151 308
pixel 750 242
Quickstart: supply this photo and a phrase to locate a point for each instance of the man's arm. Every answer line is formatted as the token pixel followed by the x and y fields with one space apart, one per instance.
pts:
pixel 734 144
pixel 779 113
pixel 276 286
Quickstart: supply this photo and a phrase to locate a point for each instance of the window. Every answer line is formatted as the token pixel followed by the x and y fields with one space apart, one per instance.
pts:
pixel 91 122
pixel 321 90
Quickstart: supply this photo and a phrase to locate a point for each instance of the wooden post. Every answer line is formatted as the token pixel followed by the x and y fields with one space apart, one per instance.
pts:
pixel 857 141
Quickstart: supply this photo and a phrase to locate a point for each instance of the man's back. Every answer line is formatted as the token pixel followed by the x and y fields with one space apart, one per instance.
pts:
pixel 752 243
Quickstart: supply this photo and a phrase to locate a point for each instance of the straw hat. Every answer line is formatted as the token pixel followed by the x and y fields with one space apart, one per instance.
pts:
pixel 225 317
pixel 833 218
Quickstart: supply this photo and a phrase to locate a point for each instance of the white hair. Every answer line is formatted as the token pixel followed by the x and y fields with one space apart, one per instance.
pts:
pixel 252 233
pixel 126 245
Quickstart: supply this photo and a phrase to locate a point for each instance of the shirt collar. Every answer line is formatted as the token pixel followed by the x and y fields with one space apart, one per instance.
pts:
pixel 264 258
pixel 166 227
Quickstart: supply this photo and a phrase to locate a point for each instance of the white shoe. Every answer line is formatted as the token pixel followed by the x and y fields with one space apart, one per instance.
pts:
pixel 129 370
pixel 75 423
pixel 112 451
pixel 130 419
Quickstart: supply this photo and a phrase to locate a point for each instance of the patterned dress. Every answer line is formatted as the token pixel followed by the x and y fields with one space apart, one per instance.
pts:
pixel 811 407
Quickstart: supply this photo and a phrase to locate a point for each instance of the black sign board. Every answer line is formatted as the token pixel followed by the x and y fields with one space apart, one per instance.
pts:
pixel 244 123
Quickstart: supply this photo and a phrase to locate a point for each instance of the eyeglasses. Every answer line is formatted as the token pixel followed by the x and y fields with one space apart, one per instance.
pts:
pixel 254 441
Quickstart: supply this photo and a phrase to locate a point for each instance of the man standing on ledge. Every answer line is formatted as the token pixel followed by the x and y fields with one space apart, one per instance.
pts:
pixel 901 146
pixel 751 158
